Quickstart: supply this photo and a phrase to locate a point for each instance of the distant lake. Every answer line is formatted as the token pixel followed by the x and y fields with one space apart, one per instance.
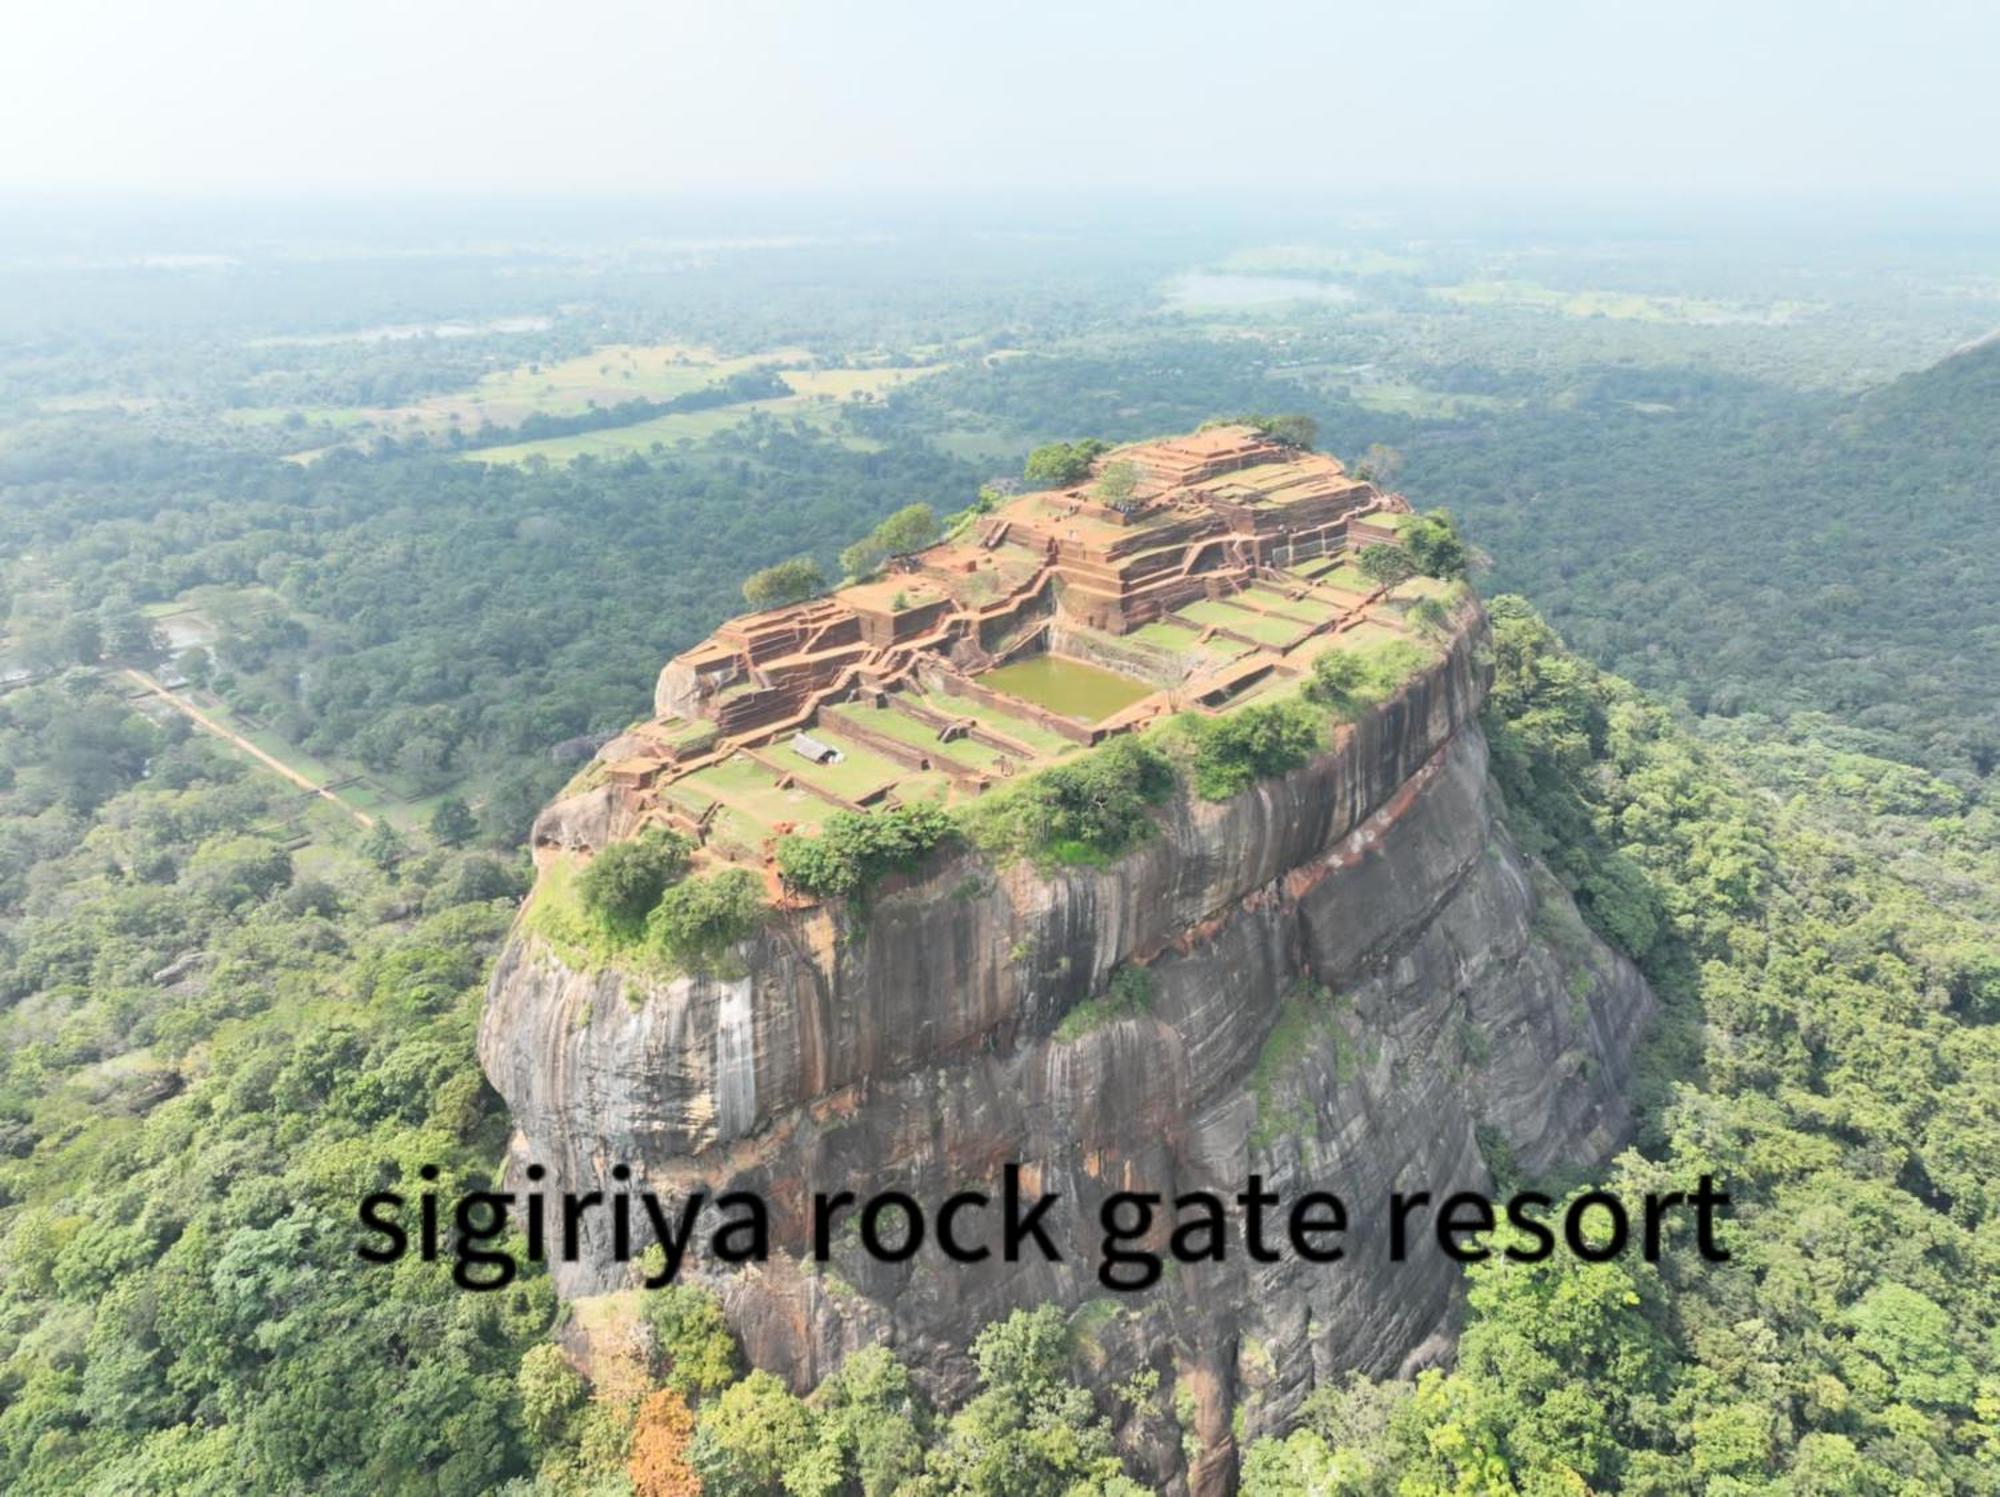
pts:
pixel 1201 288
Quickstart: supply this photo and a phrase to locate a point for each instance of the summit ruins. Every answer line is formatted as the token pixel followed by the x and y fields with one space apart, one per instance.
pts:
pixel 1033 631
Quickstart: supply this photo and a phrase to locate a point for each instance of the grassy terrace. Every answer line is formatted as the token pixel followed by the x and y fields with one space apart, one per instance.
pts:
pixel 924 785
pixel 1307 607
pixel 1244 621
pixel 747 788
pixel 1365 634
pixel 903 728
pixel 1013 725
pixel 860 772
pixel 1073 688
pixel 1336 571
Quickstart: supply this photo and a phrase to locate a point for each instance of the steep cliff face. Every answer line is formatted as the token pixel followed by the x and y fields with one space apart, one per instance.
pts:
pixel 1353 974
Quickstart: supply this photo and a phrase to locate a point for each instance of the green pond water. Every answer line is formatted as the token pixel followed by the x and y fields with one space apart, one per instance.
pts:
pixel 1087 693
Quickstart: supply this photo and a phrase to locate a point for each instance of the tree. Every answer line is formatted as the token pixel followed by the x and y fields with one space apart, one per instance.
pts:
pixel 383 846
pixel 1293 428
pixel 235 870
pixel 1085 810
pixel 786 582
pixel 1387 564
pixel 863 557
pixel 872 1424
pixel 749 1436
pixel 909 529
pixel 693 1339
pixel 661 1433
pixel 195 663
pixel 1030 1430
pixel 551 1391
pixel 129 634
pixel 625 880
pixel 452 822
pixel 1234 751
pixel 855 849
pixel 699 918
pixel 1116 485
pixel 1379 464
pixel 1056 465
pixel 1434 544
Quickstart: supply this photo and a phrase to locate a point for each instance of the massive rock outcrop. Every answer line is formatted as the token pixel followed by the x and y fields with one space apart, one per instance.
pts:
pixel 1356 982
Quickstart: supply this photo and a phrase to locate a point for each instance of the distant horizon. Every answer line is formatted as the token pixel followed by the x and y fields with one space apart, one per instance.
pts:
pixel 529 217
pixel 1779 99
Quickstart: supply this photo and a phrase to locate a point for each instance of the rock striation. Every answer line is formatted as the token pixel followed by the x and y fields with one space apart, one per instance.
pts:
pixel 1357 983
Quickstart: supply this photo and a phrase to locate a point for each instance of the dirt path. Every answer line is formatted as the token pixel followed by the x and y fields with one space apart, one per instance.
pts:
pixel 209 724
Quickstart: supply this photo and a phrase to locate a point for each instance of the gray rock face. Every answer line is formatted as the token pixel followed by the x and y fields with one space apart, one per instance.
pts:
pixel 1353 974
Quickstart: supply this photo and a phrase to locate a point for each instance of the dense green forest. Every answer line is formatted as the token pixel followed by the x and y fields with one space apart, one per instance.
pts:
pixel 228 1018
pixel 228 1009
pixel 437 620
pixel 1832 1051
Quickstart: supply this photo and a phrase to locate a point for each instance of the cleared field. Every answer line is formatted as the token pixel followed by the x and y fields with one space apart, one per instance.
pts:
pixel 1164 636
pixel 1294 259
pixel 605 376
pixel 618 441
pixel 1268 630
pixel 600 380
pixel 979 446
pixel 821 412
pixel 1074 688
pixel 846 384
pixel 1401 397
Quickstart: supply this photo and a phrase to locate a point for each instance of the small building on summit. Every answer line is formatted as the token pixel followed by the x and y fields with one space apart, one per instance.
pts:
pixel 813 751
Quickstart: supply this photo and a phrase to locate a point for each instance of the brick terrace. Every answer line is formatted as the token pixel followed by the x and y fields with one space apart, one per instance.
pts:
pixel 1227 574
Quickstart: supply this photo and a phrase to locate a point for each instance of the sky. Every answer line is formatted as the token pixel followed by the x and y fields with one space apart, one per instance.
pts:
pixel 1692 98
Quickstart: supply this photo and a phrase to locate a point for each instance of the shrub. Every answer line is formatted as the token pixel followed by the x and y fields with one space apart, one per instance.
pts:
pixel 701 918
pixel 624 882
pixel 1347 680
pixel 856 849
pixel 1336 676
pixel 1129 994
pixel 1085 811
pixel 1232 753
pixel 1430 616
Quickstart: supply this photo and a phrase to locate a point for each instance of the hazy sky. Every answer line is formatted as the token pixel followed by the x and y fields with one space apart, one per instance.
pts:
pixel 1805 96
